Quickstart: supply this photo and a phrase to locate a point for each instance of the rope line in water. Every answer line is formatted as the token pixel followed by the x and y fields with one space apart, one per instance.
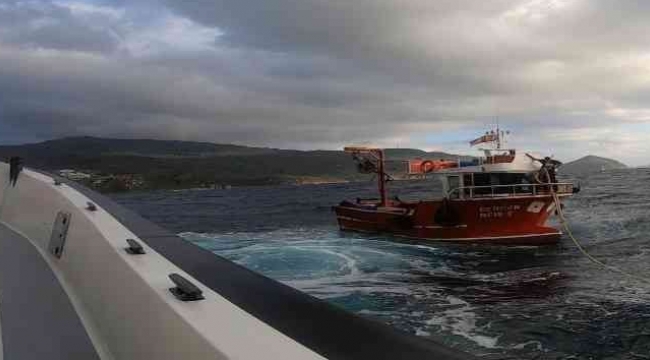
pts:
pixel 565 225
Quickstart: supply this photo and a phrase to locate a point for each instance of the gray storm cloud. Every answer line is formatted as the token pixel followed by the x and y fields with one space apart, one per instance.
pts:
pixel 563 74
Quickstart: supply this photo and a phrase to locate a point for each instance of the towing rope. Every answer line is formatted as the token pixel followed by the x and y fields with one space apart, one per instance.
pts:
pixel 565 225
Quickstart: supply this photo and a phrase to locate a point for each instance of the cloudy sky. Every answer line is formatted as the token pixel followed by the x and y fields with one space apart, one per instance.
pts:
pixel 567 77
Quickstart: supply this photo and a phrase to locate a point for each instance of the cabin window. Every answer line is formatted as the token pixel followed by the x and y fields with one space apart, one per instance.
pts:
pixel 454 183
pixel 490 181
pixel 512 178
pixel 468 181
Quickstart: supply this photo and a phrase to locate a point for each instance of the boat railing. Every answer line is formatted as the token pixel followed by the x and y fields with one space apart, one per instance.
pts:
pixel 509 190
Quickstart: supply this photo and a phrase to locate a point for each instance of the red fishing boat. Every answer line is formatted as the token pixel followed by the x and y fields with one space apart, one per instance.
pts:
pixel 502 197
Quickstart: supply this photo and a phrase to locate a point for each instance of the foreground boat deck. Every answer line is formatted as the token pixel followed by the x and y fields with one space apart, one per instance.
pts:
pixel 98 301
pixel 37 320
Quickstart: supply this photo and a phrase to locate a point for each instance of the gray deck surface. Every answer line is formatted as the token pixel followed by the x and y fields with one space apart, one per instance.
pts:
pixel 37 320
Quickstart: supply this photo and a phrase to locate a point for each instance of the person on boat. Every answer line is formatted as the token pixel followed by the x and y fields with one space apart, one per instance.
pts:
pixel 547 172
pixel 549 166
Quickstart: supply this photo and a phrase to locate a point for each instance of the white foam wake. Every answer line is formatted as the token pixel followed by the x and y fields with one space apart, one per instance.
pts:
pixel 459 319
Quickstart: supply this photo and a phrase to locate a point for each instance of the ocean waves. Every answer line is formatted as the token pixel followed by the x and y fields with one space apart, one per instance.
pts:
pixel 496 302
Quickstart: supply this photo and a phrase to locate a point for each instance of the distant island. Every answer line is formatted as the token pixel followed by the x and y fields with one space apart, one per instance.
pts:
pixel 591 164
pixel 126 164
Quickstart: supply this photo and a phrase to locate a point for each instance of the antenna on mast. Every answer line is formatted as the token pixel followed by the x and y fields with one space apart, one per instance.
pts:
pixel 498 135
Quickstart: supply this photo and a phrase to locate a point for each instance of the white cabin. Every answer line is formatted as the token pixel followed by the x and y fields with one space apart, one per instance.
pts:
pixel 502 172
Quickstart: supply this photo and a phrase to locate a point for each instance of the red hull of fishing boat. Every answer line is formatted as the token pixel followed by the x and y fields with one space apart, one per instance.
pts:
pixel 513 221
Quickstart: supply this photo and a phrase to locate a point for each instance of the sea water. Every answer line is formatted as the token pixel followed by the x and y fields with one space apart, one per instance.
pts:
pixel 495 302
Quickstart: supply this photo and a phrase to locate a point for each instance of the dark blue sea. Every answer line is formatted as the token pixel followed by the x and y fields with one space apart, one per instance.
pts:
pixel 495 302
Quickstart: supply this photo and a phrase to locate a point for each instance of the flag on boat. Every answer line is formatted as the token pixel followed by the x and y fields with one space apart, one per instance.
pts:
pixel 491 136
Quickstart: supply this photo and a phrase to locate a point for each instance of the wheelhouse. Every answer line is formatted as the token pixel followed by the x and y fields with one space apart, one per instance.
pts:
pixel 497 184
pixel 498 156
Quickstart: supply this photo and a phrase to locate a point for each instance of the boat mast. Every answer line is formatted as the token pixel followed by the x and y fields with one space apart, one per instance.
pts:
pixel 498 135
pixel 382 179
pixel 371 160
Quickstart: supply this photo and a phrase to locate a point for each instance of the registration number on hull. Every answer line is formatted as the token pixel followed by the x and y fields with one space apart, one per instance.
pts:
pixel 497 211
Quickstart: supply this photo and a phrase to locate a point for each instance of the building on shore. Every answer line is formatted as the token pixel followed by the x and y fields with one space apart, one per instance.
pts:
pixel 74 174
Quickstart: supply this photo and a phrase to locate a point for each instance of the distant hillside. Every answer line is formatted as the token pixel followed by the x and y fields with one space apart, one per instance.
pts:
pixel 182 164
pixel 93 146
pixel 590 164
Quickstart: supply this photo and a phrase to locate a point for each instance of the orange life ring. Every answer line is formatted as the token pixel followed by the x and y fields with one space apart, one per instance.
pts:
pixel 430 165
pixel 427 166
